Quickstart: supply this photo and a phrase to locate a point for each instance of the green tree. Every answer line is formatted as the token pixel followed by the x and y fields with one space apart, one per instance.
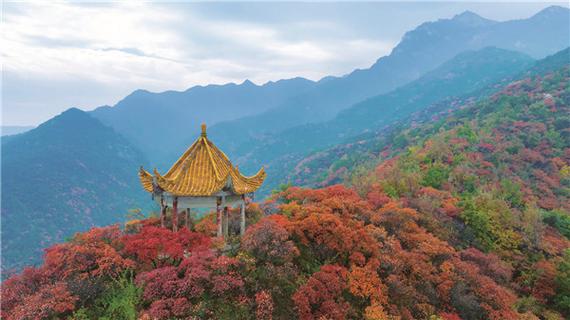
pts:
pixel 120 301
pixel 563 285
pixel 435 176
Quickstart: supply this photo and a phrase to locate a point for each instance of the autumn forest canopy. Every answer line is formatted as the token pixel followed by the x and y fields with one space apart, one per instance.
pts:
pixel 433 185
pixel 465 217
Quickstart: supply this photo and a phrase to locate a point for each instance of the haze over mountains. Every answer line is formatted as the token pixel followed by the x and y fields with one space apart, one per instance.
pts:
pixel 322 167
pixel 464 214
pixel 467 72
pixel 292 102
pixel 82 166
pixel 11 130
pixel 420 51
pixel 164 120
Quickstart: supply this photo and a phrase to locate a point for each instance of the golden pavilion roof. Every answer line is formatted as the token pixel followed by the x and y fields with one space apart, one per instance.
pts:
pixel 203 170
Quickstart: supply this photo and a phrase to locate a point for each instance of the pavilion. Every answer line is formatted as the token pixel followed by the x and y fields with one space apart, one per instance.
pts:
pixel 203 177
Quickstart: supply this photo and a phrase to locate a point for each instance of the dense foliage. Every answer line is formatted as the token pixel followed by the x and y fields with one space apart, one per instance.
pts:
pixel 326 253
pixel 465 217
pixel 72 173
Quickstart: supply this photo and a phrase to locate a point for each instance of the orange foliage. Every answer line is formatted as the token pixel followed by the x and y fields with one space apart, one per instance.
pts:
pixel 321 296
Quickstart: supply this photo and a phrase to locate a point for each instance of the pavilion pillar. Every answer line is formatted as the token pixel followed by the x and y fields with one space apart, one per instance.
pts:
pixel 175 214
pixel 162 212
pixel 219 217
pixel 225 221
pixel 242 216
pixel 188 222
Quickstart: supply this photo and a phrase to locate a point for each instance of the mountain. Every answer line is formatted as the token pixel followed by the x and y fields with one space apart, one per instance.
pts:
pixel 467 72
pixel 468 221
pixel 165 120
pixel 11 130
pixel 67 159
pixel 420 51
pixel 67 175
pixel 331 165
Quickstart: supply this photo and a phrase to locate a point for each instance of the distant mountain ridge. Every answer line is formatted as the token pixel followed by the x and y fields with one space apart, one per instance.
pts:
pixel 67 175
pixel 11 130
pixel 162 133
pixel 463 216
pixel 164 120
pixel 80 162
pixel 420 51
pixel 467 72
pixel 325 166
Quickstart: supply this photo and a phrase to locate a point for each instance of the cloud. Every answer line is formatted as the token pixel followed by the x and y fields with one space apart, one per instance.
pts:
pixel 107 50
pixel 116 48
pixel 155 44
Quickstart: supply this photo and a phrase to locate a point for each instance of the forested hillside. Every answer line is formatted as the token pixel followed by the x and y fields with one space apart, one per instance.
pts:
pixel 467 73
pixel 67 175
pixel 74 172
pixel 337 163
pixel 462 217
pixel 420 51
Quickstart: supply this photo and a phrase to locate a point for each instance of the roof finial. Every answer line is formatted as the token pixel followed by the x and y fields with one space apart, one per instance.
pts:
pixel 203 129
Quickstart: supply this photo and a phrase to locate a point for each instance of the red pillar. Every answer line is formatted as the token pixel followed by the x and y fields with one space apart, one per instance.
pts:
pixel 175 214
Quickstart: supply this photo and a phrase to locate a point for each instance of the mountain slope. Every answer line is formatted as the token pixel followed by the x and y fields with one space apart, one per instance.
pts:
pixel 331 165
pixel 67 175
pixel 420 51
pixel 165 120
pixel 467 72
pixel 11 130
pixel 469 221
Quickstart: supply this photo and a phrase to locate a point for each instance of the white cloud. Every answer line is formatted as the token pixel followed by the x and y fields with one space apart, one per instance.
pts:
pixel 94 41
pixel 63 40
pixel 107 50
pixel 157 47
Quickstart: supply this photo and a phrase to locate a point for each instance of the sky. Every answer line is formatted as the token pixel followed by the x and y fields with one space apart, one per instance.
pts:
pixel 59 55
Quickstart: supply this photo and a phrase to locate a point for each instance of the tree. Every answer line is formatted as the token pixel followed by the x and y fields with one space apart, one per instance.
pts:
pixel 197 285
pixel 489 264
pixel 264 309
pixel 50 301
pixel 159 246
pixel 85 260
pixel 329 238
pixel 562 280
pixel 321 296
pixel 17 287
pixel 269 242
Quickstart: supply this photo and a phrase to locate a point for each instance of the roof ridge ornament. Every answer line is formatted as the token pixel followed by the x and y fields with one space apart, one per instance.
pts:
pixel 204 130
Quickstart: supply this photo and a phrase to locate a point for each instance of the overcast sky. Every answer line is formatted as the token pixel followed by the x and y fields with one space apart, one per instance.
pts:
pixel 60 55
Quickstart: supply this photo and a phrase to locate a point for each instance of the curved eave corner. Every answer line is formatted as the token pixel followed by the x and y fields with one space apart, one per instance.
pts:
pixel 146 179
pixel 243 185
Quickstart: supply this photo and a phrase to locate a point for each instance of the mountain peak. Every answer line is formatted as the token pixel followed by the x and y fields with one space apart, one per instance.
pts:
pixel 73 113
pixel 71 120
pixel 467 14
pixel 471 18
pixel 72 110
pixel 552 11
